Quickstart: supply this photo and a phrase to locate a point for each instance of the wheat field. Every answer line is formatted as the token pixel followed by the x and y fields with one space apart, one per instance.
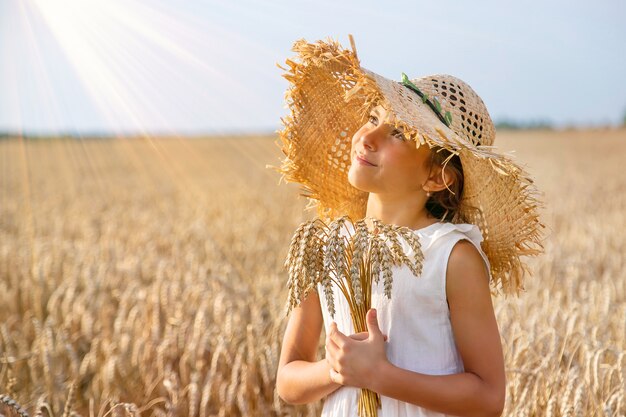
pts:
pixel 144 276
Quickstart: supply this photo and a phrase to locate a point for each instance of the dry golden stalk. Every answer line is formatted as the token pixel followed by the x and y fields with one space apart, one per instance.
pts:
pixel 12 405
pixel 109 260
pixel 322 254
pixel 70 400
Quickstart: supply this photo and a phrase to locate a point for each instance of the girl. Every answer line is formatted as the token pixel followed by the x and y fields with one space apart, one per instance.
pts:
pixel 419 157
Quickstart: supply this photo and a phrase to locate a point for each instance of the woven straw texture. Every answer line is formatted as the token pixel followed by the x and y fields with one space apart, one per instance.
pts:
pixel 330 97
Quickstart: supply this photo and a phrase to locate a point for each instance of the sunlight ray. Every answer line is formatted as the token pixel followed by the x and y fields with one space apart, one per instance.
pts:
pixel 128 57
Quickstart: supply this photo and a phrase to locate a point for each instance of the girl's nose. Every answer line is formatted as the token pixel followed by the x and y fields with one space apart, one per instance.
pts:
pixel 371 138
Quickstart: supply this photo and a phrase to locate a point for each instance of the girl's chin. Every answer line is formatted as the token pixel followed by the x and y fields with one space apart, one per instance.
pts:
pixel 360 183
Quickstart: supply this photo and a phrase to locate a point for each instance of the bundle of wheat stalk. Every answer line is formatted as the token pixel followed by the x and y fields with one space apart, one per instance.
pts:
pixel 320 254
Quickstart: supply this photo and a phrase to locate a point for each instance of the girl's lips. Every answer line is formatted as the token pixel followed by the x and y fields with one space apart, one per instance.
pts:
pixel 363 161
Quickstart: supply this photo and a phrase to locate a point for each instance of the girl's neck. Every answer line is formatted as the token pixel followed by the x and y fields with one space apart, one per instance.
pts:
pixel 402 211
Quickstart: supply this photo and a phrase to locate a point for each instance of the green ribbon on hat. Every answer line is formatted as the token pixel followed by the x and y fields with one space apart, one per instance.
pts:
pixel 447 119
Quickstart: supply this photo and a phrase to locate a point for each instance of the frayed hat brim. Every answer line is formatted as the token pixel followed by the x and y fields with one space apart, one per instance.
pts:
pixel 329 98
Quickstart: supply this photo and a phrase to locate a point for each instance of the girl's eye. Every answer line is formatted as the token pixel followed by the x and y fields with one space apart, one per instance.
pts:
pixel 398 134
pixel 373 119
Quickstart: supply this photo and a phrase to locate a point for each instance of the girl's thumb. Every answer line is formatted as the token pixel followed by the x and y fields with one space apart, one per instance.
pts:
pixel 372 324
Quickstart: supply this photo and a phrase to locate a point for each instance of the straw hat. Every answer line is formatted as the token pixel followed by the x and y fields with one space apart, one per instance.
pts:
pixel 330 97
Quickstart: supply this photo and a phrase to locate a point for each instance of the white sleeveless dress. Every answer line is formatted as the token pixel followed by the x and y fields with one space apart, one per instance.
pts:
pixel 416 319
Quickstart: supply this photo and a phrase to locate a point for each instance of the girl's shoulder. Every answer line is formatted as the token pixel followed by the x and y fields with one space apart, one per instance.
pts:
pixel 463 254
pixel 439 239
pixel 440 231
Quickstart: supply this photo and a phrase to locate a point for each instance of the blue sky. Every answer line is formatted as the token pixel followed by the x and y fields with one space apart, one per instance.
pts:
pixel 209 66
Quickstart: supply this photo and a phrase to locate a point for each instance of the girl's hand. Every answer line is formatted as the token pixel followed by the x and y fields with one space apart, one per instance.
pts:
pixel 355 360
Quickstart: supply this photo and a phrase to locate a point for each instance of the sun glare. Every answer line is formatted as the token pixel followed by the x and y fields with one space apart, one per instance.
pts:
pixel 128 56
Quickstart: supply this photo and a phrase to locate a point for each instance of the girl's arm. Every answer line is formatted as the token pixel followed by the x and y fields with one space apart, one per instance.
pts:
pixel 478 391
pixel 300 379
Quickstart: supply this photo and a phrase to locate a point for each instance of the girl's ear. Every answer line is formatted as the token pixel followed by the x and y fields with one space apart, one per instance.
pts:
pixel 438 179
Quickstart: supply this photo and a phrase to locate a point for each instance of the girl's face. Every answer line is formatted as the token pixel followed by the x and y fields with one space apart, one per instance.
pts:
pixel 396 165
